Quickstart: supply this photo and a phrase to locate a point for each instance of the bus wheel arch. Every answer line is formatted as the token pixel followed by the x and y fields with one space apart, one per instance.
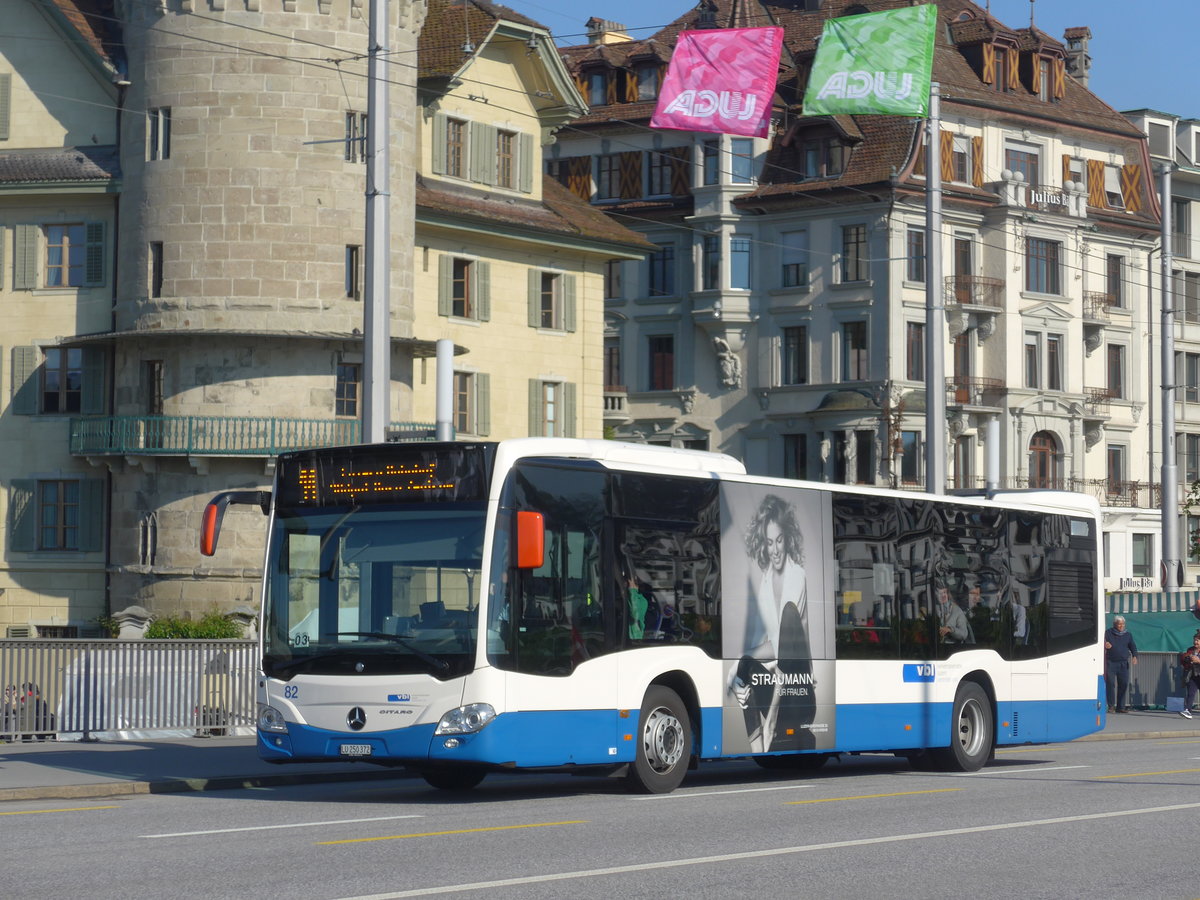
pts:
pixel 972 727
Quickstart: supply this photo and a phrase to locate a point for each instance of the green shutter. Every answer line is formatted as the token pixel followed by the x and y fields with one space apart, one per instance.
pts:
pixel 535 297
pixel 482 153
pixel 483 404
pixel 93 400
pixel 445 279
pixel 22 515
pixel 535 408
pixel 24 381
pixel 568 409
pixel 91 514
pixel 526 162
pixel 568 298
pixel 94 267
pixel 5 104
pixel 482 272
pixel 25 243
pixel 438 145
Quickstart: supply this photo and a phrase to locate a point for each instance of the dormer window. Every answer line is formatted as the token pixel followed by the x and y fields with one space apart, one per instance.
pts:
pixel 647 81
pixel 822 157
pixel 1000 79
pixel 1043 78
pixel 597 83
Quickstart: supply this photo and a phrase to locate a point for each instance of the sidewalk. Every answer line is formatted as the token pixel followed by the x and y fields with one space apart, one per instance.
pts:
pixel 75 770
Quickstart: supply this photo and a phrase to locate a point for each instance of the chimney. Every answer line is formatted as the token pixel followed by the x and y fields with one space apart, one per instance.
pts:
pixel 1079 63
pixel 602 31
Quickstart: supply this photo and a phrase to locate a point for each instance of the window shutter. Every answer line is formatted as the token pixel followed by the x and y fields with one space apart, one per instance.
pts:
pixel 1058 75
pixel 631 175
pixel 482 153
pixel 438 148
pixel 1066 168
pixel 579 176
pixel 91 514
pixel 581 85
pixel 22 515
pixel 631 86
pixel 1035 73
pixel 535 291
pixel 681 171
pixel 445 277
pixel 92 400
pixel 568 408
pixel 1014 72
pixel 1131 187
pixel 25 242
pixel 525 163
pixel 989 64
pixel 947 156
pixel 568 298
pixel 610 87
pixel 535 408
pixel 977 161
pixel 1095 176
pixel 24 381
pixel 483 404
pixel 5 104
pixel 94 265
pixel 482 273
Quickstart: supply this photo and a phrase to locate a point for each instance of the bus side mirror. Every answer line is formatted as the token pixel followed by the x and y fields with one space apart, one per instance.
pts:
pixel 531 540
pixel 210 526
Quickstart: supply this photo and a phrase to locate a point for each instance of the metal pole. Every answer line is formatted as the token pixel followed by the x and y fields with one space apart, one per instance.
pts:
pixel 935 381
pixel 1170 487
pixel 444 403
pixel 377 369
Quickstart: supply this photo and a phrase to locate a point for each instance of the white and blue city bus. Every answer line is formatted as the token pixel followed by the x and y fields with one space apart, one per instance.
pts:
pixel 558 604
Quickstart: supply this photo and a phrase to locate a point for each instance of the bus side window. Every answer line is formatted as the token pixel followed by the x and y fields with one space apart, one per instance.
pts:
pixel 865 547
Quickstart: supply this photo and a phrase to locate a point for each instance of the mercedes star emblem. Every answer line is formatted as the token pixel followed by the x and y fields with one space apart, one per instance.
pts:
pixel 356 718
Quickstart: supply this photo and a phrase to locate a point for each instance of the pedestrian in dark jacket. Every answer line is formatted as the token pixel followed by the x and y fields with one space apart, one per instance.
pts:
pixel 1190 660
pixel 1119 652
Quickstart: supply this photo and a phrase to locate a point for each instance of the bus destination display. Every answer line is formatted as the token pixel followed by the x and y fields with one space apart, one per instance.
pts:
pixel 383 475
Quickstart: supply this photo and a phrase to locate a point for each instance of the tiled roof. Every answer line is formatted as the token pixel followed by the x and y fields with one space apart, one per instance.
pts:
pixel 448 27
pixel 80 164
pixel 96 23
pixel 559 213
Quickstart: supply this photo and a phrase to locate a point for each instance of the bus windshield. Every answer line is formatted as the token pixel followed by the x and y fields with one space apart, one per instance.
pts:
pixel 373 590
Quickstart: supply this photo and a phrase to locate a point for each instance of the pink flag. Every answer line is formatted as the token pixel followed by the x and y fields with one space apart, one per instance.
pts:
pixel 722 80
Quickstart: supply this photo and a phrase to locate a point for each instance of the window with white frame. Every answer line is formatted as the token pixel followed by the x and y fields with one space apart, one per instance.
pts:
pixel 961 158
pixel 551 300
pixel 711 161
pixel 1024 158
pixel 854 263
pixel 348 389
pixel 710 262
pixel 506 158
pixel 1116 471
pixel 794 362
pixel 911 457
pixel 1191 458
pixel 661 271
pixel 855 364
pixel 464 290
pixel 914 269
pixel 739 262
pixel 741 166
pixel 1191 377
pixel 158 133
pixel 1112 187
pixel 551 408
pixel 1043 266
pixel 794 255
pixel 1116 370
pixel 456 148
pixel 58 380
pixel 1143 555
pixel 1114 279
pixel 1043 361
pixel 914 351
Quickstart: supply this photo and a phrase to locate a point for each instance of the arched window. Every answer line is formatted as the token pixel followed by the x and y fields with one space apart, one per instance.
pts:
pixel 1043 461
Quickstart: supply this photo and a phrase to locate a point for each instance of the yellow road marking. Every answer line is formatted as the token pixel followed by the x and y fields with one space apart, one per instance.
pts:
pixel 34 812
pixel 1142 774
pixel 1170 743
pixel 874 796
pixel 401 837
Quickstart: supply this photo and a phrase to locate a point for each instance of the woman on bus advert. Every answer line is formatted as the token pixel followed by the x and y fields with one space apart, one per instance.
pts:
pixel 773 679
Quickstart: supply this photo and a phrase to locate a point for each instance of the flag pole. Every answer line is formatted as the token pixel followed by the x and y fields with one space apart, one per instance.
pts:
pixel 935 321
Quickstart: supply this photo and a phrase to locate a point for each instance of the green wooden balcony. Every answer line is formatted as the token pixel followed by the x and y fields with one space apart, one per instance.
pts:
pixel 217 435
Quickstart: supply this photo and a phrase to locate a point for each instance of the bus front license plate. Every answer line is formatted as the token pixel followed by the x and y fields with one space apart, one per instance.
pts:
pixel 356 750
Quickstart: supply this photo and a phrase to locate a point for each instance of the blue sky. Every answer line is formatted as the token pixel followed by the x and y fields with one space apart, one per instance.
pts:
pixel 1141 52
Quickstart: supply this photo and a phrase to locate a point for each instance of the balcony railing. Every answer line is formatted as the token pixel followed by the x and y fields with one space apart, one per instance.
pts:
pixel 213 435
pixel 967 390
pixel 975 290
pixel 1139 494
pixel 1096 305
pixel 1098 400
pixel 616 401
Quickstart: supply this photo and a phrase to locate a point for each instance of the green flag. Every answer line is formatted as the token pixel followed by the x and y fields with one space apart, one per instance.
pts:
pixel 877 63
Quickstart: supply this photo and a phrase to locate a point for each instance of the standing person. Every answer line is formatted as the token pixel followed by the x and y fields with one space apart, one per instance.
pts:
pixel 1119 652
pixel 1190 660
pixel 776 643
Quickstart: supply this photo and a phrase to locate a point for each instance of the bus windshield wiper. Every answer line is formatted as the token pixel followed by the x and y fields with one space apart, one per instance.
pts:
pixel 439 664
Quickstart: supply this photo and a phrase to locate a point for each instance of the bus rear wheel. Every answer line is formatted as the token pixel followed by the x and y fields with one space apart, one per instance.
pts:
pixel 971 732
pixel 664 743
pixel 453 779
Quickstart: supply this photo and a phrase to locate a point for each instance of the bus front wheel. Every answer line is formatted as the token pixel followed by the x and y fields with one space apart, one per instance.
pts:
pixel 664 743
pixel 971 731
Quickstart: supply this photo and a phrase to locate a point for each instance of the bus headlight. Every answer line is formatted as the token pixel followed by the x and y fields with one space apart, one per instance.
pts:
pixel 466 719
pixel 270 719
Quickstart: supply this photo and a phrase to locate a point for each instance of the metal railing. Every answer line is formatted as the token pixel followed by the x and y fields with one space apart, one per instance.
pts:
pixel 1096 305
pixel 971 391
pixel 122 688
pixel 974 290
pixel 213 435
pixel 1098 399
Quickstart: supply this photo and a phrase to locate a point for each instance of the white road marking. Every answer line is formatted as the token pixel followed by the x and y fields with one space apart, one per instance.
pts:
pixel 1012 771
pixel 658 865
pixel 683 795
pixel 272 827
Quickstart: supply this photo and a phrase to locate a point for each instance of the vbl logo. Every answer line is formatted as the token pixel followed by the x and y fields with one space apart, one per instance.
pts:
pixel 919 672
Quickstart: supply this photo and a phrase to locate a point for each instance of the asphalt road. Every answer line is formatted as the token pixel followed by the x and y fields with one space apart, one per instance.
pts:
pixel 1095 819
